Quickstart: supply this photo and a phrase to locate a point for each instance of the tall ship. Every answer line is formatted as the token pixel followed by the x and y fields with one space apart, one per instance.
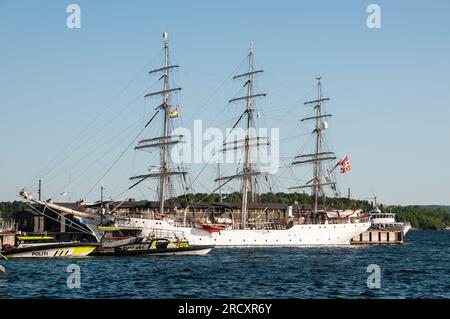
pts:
pixel 222 225
pixel 248 223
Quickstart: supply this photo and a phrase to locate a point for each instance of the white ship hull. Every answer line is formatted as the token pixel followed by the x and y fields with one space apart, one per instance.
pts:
pixel 297 235
pixel 405 229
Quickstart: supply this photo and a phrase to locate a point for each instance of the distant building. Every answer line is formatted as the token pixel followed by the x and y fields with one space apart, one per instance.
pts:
pixel 30 221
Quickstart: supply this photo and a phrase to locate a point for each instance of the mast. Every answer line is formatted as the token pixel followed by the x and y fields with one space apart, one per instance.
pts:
pixel 247 179
pixel 40 189
pixel 166 139
pixel 319 156
pixel 248 172
pixel 219 179
pixel 102 209
pixel 318 140
pixel 165 105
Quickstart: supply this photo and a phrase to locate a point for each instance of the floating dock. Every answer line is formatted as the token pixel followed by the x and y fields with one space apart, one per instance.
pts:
pixel 378 237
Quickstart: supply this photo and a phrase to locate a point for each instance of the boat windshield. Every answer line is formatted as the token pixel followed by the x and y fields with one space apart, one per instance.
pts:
pixel 35 239
pixel 121 232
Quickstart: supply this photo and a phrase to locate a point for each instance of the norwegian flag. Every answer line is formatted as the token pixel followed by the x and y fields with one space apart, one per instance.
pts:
pixel 345 165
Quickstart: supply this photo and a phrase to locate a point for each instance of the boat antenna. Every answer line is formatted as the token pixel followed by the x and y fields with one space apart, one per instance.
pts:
pixel 40 189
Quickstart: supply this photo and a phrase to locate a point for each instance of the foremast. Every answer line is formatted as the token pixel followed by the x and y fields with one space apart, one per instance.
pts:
pixel 166 139
pixel 319 156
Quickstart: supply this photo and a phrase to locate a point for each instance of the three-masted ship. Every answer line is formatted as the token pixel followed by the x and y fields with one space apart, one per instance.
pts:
pixel 220 224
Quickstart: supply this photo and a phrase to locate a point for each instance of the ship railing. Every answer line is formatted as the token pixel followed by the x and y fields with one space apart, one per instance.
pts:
pixel 351 220
pixel 166 233
pixel 183 223
pixel 260 225
pixel 143 215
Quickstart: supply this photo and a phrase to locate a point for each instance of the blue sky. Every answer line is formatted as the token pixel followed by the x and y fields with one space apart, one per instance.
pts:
pixel 389 87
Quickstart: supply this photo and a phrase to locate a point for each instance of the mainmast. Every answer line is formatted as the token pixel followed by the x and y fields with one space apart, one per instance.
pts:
pixel 248 172
pixel 247 183
pixel 163 142
pixel 319 155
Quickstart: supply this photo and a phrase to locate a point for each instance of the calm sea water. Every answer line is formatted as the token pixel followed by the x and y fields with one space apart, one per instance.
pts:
pixel 420 268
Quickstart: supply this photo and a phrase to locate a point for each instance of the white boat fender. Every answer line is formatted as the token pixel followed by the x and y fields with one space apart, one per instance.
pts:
pixel 2 270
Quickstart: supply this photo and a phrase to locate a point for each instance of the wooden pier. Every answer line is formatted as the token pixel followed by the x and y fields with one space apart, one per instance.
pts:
pixel 378 237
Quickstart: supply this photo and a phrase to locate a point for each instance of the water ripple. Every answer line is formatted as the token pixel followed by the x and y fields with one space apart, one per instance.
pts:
pixel 417 269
